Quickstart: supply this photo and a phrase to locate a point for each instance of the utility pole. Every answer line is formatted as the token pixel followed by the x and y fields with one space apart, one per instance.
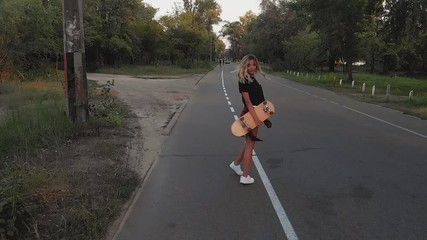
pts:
pixel 74 61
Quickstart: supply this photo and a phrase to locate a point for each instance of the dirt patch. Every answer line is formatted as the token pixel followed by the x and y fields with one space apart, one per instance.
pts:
pixel 92 180
pixel 154 101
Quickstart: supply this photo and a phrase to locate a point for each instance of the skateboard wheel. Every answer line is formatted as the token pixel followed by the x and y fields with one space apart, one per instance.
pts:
pixel 265 102
pixel 271 113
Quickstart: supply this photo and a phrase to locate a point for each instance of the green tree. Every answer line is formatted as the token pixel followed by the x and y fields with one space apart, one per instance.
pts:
pixel 302 50
pixel 341 20
pixel 7 36
pixel 149 38
pixel 247 21
pixel 271 31
pixel 29 35
pixel 233 31
pixel 372 45
pixel 108 36
pixel 184 39
pixel 406 27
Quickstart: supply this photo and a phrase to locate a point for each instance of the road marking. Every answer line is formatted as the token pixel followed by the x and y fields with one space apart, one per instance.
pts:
pixel 281 214
pixel 354 110
pixel 384 121
pixel 280 211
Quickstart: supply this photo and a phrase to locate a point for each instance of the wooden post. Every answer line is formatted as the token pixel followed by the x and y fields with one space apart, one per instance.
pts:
pixel 74 61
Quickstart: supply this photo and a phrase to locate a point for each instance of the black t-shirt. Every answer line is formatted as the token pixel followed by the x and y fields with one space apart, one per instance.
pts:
pixel 254 90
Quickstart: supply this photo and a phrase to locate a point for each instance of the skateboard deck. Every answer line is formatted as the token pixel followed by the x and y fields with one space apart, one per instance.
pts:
pixel 246 123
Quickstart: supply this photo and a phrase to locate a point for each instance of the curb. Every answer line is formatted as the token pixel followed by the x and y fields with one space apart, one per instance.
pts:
pixel 172 122
pixel 117 226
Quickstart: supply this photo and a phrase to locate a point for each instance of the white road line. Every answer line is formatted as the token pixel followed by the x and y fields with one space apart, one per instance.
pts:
pixel 280 211
pixel 357 111
pixel 229 103
pixel 284 220
pixel 232 109
pixel 384 121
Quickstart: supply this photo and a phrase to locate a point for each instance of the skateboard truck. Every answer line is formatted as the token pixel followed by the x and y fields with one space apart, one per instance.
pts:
pixel 266 108
pixel 245 124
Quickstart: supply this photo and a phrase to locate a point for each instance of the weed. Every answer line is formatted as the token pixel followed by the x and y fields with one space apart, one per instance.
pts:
pixel 15 210
pixel 105 109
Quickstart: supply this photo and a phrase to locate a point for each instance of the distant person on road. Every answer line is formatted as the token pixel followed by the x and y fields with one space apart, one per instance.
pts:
pixel 252 95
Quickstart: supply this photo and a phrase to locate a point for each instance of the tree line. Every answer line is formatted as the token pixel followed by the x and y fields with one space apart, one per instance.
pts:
pixel 116 32
pixel 389 35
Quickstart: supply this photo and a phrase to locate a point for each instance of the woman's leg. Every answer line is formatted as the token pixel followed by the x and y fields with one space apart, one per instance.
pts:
pixel 247 153
pixel 239 157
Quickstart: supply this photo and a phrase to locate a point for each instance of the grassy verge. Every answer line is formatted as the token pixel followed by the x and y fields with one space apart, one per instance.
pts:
pixel 60 180
pixel 398 97
pixel 161 70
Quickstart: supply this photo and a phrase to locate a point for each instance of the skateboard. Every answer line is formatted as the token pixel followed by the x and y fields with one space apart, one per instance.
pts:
pixel 246 123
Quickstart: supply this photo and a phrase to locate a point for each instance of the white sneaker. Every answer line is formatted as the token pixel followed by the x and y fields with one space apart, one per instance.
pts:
pixel 236 169
pixel 246 180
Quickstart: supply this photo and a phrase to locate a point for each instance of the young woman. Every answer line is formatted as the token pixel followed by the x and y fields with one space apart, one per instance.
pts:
pixel 252 95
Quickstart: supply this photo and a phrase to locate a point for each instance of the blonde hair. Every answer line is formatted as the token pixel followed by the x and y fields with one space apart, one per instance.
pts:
pixel 242 69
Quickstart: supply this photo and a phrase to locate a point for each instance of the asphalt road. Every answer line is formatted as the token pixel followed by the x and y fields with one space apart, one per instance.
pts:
pixel 338 169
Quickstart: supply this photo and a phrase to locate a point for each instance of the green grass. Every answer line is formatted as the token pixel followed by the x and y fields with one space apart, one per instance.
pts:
pixel 34 123
pixel 35 118
pixel 399 88
pixel 158 70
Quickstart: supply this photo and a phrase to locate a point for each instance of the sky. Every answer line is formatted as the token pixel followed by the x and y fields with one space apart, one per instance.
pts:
pixel 231 9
